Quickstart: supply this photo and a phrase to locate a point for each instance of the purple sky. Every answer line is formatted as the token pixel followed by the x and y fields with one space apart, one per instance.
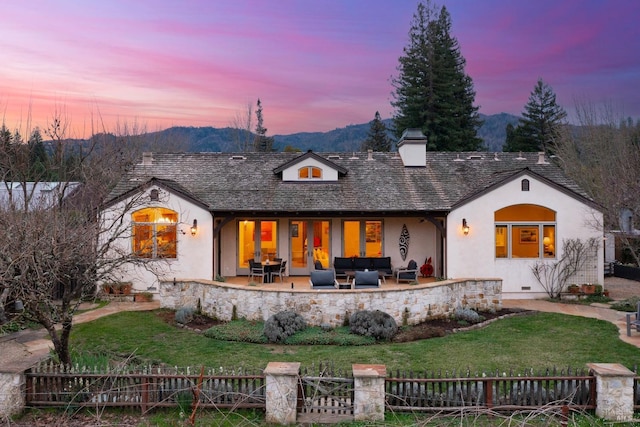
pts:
pixel 316 65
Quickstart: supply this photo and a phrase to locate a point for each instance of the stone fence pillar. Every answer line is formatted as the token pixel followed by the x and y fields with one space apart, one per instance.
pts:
pixel 12 397
pixel 281 392
pixel 614 386
pixel 369 395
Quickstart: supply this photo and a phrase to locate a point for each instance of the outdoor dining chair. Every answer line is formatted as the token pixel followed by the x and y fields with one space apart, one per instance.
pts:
pixel 256 269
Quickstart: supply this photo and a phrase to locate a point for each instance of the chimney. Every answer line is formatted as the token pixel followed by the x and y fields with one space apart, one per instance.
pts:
pixel 369 154
pixel 413 148
pixel 541 159
pixel 147 158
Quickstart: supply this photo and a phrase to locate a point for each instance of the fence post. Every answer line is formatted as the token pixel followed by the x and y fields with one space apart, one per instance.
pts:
pixel 614 388
pixel 281 380
pixel 368 393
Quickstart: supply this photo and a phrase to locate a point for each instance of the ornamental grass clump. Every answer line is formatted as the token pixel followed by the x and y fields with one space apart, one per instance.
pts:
pixel 281 326
pixel 185 315
pixel 467 315
pixel 376 324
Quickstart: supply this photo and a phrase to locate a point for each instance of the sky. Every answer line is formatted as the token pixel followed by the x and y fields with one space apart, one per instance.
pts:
pixel 315 65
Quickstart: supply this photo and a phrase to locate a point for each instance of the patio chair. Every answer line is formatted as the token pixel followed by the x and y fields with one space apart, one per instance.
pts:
pixel 366 279
pixel 633 320
pixel 408 274
pixel 281 272
pixel 256 269
pixel 318 265
pixel 323 279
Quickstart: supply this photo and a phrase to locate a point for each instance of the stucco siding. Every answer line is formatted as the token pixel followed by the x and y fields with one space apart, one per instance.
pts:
pixel 473 255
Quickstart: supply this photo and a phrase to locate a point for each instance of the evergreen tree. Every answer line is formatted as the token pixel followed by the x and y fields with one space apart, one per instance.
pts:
pixel 262 142
pixel 541 121
pixel 515 140
pixel 377 138
pixel 38 157
pixel 432 91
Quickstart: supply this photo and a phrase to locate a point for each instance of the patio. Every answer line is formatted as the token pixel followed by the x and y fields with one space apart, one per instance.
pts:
pixel 302 282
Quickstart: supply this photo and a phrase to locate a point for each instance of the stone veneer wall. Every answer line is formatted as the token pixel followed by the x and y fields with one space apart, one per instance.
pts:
pixel 410 305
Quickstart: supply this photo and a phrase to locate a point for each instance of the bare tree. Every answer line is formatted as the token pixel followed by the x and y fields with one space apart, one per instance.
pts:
pixel 602 155
pixel 57 248
pixel 242 125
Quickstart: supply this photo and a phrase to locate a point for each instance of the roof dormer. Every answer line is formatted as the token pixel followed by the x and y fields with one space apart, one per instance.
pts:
pixel 310 167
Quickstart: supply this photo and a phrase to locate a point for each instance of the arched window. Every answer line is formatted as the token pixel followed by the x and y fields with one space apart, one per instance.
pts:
pixel 154 233
pixel 525 231
pixel 524 184
pixel 309 172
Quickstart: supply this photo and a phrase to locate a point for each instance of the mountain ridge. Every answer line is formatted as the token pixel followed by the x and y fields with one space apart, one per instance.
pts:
pixel 345 139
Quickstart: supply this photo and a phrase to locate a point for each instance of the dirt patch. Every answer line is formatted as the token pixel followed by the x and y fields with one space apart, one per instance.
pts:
pixel 441 327
pixel 198 323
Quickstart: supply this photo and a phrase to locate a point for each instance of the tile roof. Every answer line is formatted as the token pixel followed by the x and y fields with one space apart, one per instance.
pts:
pixel 246 182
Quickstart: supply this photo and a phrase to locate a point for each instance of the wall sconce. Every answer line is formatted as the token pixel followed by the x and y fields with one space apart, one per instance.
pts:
pixel 465 226
pixel 194 227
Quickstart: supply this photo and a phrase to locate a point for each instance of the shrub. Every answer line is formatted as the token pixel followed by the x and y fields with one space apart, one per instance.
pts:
pixel 467 315
pixel 629 304
pixel 282 325
pixel 184 315
pixel 376 324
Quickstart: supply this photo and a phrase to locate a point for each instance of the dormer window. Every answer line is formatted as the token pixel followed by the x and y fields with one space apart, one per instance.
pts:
pixel 309 172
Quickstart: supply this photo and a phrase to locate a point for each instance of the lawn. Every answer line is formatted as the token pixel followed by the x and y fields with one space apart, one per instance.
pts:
pixel 537 341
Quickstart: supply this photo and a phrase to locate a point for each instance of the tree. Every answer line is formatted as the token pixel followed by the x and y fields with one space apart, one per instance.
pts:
pixel 377 138
pixel 241 124
pixel 262 142
pixel 541 121
pixel 432 91
pixel 602 155
pixel 55 249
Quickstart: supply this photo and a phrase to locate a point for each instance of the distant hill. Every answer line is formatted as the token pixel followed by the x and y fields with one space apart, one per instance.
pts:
pixel 346 139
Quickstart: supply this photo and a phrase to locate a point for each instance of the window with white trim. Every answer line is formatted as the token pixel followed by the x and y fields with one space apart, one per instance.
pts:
pixel 525 231
pixel 309 172
pixel 154 233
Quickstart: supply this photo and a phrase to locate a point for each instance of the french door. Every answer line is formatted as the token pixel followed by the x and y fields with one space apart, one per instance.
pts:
pixel 257 240
pixel 309 241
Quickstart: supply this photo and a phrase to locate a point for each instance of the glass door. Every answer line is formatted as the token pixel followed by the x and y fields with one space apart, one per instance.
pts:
pixel 362 238
pixel 257 240
pixel 309 241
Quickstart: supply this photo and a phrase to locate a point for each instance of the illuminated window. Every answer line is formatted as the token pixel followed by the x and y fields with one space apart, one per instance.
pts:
pixel 310 172
pixel 525 231
pixel 155 233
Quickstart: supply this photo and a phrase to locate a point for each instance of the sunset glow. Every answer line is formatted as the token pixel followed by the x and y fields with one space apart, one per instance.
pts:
pixel 316 66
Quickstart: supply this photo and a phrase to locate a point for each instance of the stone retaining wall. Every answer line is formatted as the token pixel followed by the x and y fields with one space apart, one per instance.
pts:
pixel 410 305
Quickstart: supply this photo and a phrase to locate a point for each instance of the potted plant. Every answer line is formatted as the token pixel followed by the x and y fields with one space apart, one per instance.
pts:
pixel 122 288
pixel 143 297
pixel 574 289
pixel 589 288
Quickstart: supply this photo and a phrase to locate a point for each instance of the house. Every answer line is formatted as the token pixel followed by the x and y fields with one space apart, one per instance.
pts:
pixel 490 215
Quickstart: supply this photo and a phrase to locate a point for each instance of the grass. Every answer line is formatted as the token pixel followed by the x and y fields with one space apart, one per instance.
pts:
pixel 538 341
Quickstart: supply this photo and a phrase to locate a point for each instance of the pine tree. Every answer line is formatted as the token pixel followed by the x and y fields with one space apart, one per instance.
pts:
pixel 262 142
pixel 542 118
pixel 377 138
pixel 432 91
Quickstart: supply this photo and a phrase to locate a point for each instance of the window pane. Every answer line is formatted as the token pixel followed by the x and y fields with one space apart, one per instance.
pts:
pixel 166 241
pixel 373 239
pixel 303 173
pixel 549 241
pixel 316 173
pixel 525 241
pixel 351 236
pixel 143 241
pixel 268 239
pixel 501 241
pixel 246 242
pixel 525 212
